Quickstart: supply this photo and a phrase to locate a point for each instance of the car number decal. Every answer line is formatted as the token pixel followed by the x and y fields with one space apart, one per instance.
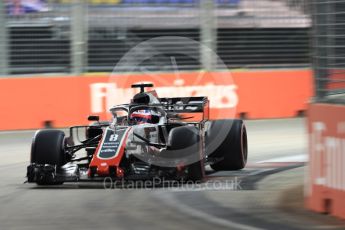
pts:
pixel 112 143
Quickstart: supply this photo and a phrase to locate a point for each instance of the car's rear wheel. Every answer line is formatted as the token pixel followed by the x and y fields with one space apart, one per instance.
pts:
pixel 232 152
pixel 48 148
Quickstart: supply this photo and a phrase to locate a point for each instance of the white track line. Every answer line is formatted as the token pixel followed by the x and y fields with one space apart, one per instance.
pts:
pixel 169 200
pixel 16 132
pixel 296 158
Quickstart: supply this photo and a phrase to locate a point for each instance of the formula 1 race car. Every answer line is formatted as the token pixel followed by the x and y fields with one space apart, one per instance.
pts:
pixel 149 137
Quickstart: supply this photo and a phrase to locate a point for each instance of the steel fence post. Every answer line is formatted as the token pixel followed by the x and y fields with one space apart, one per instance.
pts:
pixel 4 62
pixel 208 28
pixel 320 41
pixel 78 36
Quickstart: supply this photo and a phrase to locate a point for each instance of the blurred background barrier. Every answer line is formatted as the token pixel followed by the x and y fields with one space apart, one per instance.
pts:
pixel 325 188
pixel 325 177
pixel 64 36
pixel 49 45
pixel 68 100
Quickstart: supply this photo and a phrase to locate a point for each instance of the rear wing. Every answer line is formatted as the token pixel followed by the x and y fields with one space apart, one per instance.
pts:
pixel 187 105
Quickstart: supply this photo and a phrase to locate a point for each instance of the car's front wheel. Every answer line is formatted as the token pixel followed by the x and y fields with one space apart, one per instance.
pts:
pixel 231 149
pixel 48 148
pixel 187 140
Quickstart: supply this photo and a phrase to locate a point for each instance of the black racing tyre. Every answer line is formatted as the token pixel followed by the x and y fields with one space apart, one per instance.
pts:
pixel 232 153
pixel 187 137
pixel 48 147
pixel 196 171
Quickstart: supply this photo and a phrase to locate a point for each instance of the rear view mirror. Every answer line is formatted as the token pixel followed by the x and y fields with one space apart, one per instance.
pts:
pixel 93 118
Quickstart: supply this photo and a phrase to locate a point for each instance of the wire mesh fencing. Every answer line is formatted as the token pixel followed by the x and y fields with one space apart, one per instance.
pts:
pixel 328 48
pixel 65 36
pixel 38 37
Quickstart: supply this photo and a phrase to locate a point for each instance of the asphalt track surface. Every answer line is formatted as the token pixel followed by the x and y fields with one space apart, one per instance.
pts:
pixel 215 204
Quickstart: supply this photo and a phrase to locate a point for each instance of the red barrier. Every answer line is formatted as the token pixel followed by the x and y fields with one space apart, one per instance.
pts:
pixel 325 188
pixel 336 79
pixel 27 102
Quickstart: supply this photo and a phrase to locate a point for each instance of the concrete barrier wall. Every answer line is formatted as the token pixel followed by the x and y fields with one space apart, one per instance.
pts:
pixel 325 178
pixel 26 103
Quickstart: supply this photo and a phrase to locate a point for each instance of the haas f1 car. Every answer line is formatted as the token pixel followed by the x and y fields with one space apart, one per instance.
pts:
pixel 148 138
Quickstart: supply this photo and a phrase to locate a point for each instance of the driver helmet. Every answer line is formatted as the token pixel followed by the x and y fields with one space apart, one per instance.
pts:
pixel 141 116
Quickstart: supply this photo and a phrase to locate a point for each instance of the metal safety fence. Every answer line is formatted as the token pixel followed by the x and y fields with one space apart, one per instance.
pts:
pixel 328 35
pixel 76 36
